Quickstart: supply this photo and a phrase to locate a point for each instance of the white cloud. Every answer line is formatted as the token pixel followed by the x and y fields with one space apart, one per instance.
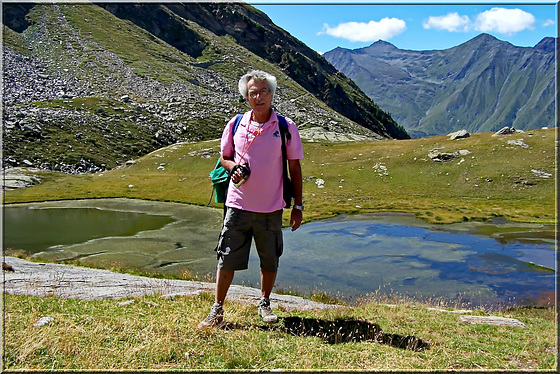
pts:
pixel 504 21
pixel 366 32
pixel 451 22
pixel 549 22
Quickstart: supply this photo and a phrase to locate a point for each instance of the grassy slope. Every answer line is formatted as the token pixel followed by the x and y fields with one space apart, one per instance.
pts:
pixel 496 179
pixel 158 333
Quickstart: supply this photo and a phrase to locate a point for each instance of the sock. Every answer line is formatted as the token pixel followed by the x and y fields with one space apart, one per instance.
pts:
pixel 218 306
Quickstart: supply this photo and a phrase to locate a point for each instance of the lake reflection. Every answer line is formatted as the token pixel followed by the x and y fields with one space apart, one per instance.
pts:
pixel 158 237
pixel 356 255
pixel 491 264
pixel 36 230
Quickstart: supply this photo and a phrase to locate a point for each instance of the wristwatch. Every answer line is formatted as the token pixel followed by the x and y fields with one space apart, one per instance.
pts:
pixel 298 207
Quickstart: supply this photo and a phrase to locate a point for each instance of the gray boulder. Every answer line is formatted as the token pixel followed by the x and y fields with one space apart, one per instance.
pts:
pixel 446 156
pixel 505 131
pixel 461 134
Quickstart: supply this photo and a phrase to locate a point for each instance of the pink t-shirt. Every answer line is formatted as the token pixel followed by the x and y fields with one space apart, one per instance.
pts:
pixel 262 149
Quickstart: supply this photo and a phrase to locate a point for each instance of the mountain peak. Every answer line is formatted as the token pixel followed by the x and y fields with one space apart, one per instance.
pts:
pixel 481 40
pixel 485 37
pixel 382 45
pixel 547 44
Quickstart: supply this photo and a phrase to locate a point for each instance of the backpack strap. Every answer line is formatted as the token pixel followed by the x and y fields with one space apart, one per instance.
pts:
pixel 236 123
pixel 284 126
pixel 285 135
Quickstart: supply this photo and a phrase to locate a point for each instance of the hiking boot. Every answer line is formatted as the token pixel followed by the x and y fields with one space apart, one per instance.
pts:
pixel 266 312
pixel 214 319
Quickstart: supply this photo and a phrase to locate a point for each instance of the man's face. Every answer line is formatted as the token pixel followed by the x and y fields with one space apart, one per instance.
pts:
pixel 259 96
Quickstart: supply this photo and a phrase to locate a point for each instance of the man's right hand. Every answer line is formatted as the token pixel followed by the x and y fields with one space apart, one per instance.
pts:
pixel 237 175
pixel 229 165
pixel 240 172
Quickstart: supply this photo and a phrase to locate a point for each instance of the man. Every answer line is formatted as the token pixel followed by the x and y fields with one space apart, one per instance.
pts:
pixel 253 157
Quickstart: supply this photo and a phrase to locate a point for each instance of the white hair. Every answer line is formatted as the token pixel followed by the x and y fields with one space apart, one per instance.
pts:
pixel 259 76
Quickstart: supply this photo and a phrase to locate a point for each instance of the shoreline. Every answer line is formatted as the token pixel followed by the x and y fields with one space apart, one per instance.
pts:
pixel 309 220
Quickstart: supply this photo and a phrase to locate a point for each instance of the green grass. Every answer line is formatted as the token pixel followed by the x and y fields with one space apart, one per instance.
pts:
pixel 14 40
pixel 157 333
pixel 495 179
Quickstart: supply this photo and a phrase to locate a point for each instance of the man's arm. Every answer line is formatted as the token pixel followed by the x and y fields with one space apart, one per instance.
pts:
pixel 295 174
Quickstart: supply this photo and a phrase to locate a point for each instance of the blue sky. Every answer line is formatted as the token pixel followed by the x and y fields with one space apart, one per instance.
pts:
pixel 326 25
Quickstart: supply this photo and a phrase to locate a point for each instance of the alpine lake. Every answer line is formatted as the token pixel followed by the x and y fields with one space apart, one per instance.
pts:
pixel 477 264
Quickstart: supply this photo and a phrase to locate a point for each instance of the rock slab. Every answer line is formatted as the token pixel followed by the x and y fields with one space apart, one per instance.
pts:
pixel 74 282
pixel 490 320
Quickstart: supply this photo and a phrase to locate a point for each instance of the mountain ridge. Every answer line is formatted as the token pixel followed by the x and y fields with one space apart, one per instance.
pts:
pixel 481 85
pixel 255 31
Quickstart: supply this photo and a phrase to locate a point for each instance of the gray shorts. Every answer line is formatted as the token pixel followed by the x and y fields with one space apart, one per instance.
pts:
pixel 235 240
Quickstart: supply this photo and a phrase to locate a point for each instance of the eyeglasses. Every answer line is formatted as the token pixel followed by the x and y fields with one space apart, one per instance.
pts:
pixel 263 92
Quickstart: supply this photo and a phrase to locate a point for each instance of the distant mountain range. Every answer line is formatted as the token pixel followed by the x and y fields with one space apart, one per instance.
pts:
pixel 481 86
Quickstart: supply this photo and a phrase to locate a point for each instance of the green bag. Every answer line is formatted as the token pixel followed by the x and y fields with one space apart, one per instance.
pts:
pixel 220 182
pixel 219 176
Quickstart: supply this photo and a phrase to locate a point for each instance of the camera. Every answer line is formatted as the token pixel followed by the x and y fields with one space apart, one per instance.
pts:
pixel 246 172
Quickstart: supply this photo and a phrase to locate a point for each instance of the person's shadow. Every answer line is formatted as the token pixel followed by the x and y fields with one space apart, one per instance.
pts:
pixel 338 331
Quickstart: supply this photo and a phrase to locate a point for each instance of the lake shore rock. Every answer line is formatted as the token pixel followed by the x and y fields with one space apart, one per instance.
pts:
pixel 74 282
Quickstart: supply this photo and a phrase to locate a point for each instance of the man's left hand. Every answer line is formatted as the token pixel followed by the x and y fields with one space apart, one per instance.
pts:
pixel 295 219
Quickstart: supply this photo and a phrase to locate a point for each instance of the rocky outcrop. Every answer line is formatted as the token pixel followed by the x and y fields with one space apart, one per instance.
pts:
pixel 504 131
pixel 19 178
pixel 490 320
pixel 480 320
pixel 73 282
pixel 320 134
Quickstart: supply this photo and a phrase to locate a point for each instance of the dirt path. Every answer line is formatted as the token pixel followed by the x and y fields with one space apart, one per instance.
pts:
pixel 64 281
